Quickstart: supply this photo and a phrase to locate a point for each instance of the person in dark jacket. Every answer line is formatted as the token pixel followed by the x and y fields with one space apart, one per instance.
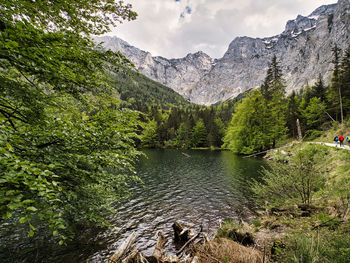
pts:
pixel 336 139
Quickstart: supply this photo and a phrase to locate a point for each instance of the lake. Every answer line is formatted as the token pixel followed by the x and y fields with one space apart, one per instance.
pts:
pixel 194 187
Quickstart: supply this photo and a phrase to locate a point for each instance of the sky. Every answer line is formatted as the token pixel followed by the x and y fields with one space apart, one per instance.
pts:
pixel 174 28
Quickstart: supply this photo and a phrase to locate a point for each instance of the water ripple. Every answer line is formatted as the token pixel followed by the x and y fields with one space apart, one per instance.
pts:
pixel 200 190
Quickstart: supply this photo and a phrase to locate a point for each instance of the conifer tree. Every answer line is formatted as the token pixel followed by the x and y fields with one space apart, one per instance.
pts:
pixel 292 114
pixel 335 94
pixel 344 81
pixel 273 82
pixel 199 134
pixel 319 90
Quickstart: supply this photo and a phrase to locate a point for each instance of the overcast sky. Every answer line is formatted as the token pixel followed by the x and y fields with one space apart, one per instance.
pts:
pixel 174 28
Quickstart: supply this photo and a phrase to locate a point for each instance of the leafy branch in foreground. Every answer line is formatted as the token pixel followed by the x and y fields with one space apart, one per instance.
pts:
pixel 66 151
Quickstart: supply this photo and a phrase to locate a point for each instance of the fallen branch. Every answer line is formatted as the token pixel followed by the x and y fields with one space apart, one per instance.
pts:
pixel 123 249
pixel 158 250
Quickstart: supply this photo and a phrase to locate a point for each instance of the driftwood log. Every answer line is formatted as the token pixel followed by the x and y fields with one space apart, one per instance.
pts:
pixel 127 252
pixel 124 249
pixel 139 258
pixel 157 255
pixel 158 250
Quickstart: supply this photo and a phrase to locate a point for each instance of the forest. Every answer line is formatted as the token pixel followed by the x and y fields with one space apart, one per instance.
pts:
pixel 258 119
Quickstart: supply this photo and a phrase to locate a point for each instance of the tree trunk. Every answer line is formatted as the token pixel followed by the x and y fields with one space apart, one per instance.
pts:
pixel 300 136
pixel 181 234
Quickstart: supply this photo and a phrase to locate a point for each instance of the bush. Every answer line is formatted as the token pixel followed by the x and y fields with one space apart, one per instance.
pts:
pixel 296 181
pixel 313 134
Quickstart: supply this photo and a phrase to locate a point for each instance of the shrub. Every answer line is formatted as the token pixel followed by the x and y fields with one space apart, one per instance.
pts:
pixel 297 180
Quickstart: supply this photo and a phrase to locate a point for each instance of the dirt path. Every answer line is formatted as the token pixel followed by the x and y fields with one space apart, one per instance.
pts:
pixel 345 147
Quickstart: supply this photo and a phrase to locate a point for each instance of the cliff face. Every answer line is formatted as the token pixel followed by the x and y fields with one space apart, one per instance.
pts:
pixel 304 50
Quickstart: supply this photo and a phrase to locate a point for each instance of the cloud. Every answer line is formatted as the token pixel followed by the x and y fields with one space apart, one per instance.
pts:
pixel 174 28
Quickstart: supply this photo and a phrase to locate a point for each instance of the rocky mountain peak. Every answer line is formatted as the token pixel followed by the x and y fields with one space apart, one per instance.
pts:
pixel 301 23
pixel 324 10
pixel 303 50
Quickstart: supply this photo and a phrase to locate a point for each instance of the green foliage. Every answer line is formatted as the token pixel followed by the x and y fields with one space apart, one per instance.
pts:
pixel 66 152
pixel 87 17
pixel 138 92
pixel 244 134
pixel 70 167
pixel 259 121
pixel 199 134
pixel 149 135
pixel 254 126
pixel 296 181
pixel 196 126
pixel 183 135
pixel 314 112
pixel 339 187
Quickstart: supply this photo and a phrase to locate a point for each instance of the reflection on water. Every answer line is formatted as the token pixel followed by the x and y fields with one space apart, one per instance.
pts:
pixel 193 187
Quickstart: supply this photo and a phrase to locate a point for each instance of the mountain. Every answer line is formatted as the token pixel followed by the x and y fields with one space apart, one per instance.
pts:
pixel 304 50
pixel 138 92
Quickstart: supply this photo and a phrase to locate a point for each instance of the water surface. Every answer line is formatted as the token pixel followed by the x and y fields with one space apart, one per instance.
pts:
pixel 194 187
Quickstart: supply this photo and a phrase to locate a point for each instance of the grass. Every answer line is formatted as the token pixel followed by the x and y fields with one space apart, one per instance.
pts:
pixel 225 250
pixel 322 236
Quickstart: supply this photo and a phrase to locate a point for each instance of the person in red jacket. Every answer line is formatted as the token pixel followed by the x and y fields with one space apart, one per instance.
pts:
pixel 341 140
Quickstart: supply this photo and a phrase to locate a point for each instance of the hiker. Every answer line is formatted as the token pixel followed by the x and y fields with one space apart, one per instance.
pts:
pixel 347 140
pixel 336 141
pixel 341 140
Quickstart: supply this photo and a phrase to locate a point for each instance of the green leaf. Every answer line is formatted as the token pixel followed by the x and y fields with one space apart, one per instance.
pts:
pixel 9 147
pixel 13 206
pixel 31 233
pixel 60 243
pixel 7 215
pixel 55 233
pixel 32 209
pixel 24 219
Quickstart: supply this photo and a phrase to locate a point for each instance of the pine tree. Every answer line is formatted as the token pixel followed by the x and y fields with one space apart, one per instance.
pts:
pixel 335 95
pixel 292 114
pixel 344 81
pixel 273 91
pixel 199 134
pixel 273 82
pixel 319 90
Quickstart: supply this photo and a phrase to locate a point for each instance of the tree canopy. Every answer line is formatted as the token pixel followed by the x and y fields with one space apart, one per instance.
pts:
pixel 66 150
pixel 259 121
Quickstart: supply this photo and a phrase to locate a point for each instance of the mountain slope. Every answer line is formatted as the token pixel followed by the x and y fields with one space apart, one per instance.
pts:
pixel 137 91
pixel 304 50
